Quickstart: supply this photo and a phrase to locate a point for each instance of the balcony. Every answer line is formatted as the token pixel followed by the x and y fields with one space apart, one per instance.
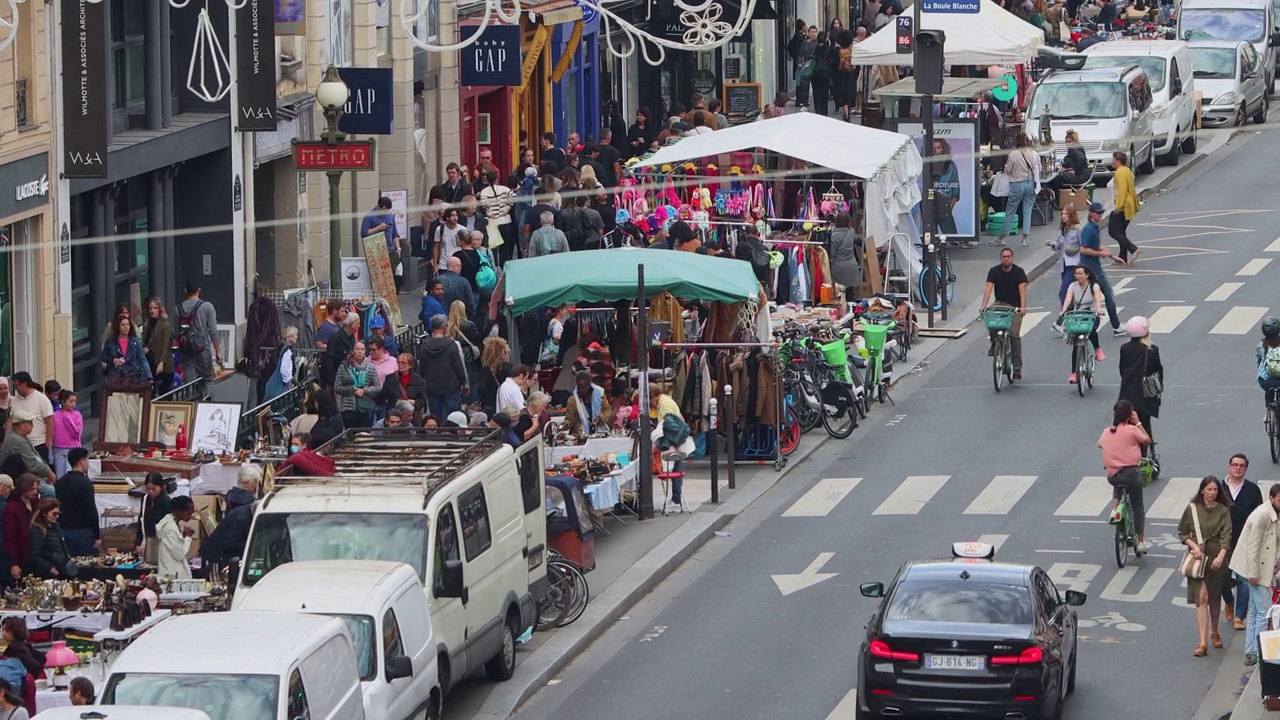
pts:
pixel 20 104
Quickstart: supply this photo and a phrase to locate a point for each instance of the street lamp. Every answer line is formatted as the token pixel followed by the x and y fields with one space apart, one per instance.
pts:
pixel 332 95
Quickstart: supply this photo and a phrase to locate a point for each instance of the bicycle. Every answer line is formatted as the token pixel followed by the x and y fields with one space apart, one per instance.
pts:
pixel 1273 423
pixel 567 594
pixel 1126 533
pixel 1079 325
pixel 875 382
pixel 931 278
pixel 1000 321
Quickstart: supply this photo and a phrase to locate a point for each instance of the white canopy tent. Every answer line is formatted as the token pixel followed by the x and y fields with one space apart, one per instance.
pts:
pixel 992 36
pixel 887 162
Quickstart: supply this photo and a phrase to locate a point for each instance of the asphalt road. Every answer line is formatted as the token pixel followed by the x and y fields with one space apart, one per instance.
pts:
pixel 955 461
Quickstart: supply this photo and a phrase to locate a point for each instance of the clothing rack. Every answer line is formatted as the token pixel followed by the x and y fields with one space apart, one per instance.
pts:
pixel 798 220
pixel 718 345
pixel 772 241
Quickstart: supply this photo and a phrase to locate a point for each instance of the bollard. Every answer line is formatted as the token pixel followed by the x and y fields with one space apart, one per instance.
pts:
pixel 713 439
pixel 732 435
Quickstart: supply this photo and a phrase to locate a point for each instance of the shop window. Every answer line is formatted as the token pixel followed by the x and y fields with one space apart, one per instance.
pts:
pixel 6 301
pixel 128 53
pixel 24 71
pixel 392 643
pixel 446 549
pixel 341 33
pixel 476 537
pixel 298 707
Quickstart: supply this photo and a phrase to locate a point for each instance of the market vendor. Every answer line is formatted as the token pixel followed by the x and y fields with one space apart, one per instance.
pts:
pixel 587 411
pixel 155 506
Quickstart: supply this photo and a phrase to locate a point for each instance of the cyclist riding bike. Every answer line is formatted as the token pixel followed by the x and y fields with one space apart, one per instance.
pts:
pixel 1268 356
pixel 1122 445
pixel 1141 372
pixel 1008 282
pixel 1083 295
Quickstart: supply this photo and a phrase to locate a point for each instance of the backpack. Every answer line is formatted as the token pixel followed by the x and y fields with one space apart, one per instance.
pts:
pixel 13 671
pixel 1271 363
pixel 846 60
pixel 571 218
pixel 186 337
pixel 486 276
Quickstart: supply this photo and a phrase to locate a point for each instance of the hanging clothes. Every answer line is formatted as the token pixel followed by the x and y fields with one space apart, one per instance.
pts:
pixel 665 308
pixel 297 311
pixel 262 334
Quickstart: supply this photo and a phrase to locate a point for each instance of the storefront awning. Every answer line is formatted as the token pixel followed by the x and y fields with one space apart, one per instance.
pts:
pixel 952 88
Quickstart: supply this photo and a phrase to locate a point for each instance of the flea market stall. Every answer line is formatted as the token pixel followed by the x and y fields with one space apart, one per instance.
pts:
pixel 639 315
pixel 883 167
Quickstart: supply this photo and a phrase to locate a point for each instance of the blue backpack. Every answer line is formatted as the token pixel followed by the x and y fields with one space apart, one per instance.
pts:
pixel 14 672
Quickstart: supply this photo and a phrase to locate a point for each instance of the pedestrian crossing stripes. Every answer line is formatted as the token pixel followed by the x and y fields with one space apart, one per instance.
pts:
pixel 1224 291
pixel 1088 500
pixel 1031 320
pixel 1274 246
pixel 1168 318
pixel 1253 267
pixel 1239 320
pixel 846 708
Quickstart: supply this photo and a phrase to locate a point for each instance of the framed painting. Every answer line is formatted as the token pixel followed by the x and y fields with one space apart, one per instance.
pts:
pixel 215 426
pixel 166 419
pixel 124 418
pixel 484 129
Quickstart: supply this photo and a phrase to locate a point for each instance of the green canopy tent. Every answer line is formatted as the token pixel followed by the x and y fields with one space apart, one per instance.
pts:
pixel 607 275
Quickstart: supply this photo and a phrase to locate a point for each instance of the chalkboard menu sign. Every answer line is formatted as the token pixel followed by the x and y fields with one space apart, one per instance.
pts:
pixel 741 98
pixel 733 67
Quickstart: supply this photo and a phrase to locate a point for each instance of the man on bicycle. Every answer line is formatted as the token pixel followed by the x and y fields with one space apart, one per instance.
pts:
pixel 1091 254
pixel 1009 284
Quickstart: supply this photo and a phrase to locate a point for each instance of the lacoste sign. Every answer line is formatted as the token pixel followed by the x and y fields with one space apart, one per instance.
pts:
pixel 34 189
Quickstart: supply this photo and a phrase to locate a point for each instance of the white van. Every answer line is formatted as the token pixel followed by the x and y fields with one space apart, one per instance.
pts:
pixel 1168 66
pixel 121 712
pixel 458 505
pixel 1109 107
pixel 242 666
pixel 386 613
pixel 1253 21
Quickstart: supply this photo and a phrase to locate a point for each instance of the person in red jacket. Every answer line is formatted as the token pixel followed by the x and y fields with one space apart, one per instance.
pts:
pixel 17 522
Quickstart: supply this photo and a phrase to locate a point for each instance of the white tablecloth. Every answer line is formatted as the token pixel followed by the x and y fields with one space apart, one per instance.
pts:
pixel 91 622
pixel 594 448
pixel 130 633
pixel 212 478
pixel 49 698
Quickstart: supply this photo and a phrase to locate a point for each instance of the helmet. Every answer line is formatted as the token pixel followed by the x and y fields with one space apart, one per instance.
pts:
pixel 1271 326
pixel 1138 327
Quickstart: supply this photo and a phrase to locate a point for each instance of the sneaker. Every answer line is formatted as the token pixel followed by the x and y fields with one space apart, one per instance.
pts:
pixel 1250 659
pixel 1238 624
pixel 1115 518
pixel 1097 355
pixel 998 241
pixel 970 243
pixel 1073 379
pixel 1141 548
pixel 1119 332
pixel 1119 261
pixel 1025 242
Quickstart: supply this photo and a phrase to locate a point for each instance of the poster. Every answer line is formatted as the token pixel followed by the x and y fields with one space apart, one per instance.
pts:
pixel 84 89
pixel 380 274
pixel 955 174
pixel 400 209
pixel 290 17
pixel 355 278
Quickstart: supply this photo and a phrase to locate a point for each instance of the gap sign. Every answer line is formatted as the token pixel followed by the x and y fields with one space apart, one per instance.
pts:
pixel 952 6
pixel 494 59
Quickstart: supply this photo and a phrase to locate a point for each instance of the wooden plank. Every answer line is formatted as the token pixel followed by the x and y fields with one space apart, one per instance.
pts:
pixel 944 333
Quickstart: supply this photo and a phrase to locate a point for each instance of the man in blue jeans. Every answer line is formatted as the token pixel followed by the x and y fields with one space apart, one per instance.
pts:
pixel 1254 559
pixel 1091 255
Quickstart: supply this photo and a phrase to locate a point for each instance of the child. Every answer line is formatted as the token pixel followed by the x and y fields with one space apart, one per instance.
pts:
pixel 68 427
pixel 52 390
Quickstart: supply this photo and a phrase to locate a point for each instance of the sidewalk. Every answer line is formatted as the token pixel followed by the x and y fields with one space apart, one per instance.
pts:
pixel 640 555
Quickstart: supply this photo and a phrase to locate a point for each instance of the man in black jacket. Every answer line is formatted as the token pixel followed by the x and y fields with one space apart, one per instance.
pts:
pixel 227 541
pixel 339 347
pixel 80 527
pixel 441 363
pixel 1245 496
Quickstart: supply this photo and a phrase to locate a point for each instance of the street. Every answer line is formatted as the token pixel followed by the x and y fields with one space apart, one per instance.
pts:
pixel 767 622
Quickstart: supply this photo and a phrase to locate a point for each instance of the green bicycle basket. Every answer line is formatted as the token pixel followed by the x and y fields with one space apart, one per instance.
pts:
pixel 875 335
pixel 837 355
pixel 1079 323
pixel 998 319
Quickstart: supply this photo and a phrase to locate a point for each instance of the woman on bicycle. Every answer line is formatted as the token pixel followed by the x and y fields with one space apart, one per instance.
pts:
pixel 1268 356
pixel 1122 445
pixel 1140 360
pixel 1084 295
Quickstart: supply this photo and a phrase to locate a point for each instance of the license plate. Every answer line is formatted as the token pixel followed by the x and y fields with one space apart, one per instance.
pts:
pixel 955 662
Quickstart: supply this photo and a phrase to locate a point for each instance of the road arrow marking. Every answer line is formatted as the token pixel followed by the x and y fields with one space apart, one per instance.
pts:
pixel 1121 286
pixel 788 584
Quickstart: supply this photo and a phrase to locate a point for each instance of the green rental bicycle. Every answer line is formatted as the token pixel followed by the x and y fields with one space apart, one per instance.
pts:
pixel 999 320
pixel 1079 325
pixel 1126 533
pixel 875 333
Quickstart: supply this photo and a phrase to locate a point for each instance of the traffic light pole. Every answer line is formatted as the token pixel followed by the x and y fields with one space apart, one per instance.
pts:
pixel 927 210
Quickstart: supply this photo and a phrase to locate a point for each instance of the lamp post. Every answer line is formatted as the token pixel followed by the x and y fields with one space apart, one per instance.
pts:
pixel 332 95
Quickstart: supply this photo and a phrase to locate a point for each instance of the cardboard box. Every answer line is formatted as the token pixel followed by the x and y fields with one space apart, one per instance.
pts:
pixel 1078 198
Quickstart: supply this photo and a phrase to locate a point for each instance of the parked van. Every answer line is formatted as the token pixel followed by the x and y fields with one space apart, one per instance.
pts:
pixel 386 613
pixel 1168 66
pixel 1111 109
pixel 121 712
pixel 1229 73
pixel 1253 21
pixel 458 505
pixel 242 666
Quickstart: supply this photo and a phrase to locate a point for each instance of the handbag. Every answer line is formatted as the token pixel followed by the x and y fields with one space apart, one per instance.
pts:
pixel 1152 386
pixel 1000 184
pixel 1192 567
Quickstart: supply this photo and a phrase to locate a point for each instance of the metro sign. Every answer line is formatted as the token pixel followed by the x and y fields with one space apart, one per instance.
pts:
pixel 347 155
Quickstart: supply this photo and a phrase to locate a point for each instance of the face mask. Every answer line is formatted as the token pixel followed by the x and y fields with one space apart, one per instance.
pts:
pixel 294 449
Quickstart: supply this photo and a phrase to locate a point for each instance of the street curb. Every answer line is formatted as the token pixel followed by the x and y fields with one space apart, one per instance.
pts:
pixel 1249 706
pixel 567 644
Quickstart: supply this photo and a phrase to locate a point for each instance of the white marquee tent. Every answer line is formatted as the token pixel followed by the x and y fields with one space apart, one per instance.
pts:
pixel 888 163
pixel 992 36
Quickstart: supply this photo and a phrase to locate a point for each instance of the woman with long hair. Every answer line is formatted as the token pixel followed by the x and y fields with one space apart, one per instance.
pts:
pixel 946 185
pixel 1084 295
pixel 49 555
pixel 1122 445
pixel 123 357
pixel 1205 528
pixel 846 269
pixel 157 343
pixel 1023 167
pixel 495 368
pixel 459 327
pixel 1140 360
pixel 844 74
pixel 1068 245
pixel 11 707
pixel 642 133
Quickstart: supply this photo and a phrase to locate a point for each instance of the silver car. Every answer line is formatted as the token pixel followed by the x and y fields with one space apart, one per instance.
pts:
pixel 1231 81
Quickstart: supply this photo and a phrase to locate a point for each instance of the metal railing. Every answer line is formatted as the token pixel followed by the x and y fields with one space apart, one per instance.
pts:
pixel 256 421
pixel 195 391
pixel 20 103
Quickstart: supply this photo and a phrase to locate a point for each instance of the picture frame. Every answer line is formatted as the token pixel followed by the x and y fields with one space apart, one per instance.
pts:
pixel 215 426
pixel 484 129
pixel 124 418
pixel 164 419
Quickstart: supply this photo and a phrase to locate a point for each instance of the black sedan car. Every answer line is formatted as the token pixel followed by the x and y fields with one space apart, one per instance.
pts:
pixel 967 637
